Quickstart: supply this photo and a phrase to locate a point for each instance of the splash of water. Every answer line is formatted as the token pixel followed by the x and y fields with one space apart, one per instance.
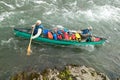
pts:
pixel 9 43
pixel 8 5
pixel 5 15
pixel 6 41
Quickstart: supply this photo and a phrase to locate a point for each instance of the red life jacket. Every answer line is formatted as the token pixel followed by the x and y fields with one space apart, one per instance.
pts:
pixel 73 36
pixel 59 37
pixel 97 39
pixel 66 36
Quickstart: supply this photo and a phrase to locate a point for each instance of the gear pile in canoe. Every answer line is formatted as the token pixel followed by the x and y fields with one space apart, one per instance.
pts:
pixel 61 37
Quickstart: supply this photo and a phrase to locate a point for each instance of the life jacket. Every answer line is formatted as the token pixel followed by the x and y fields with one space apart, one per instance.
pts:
pixel 50 36
pixel 59 37
pixel 66 36
pixel 73 37
pixel 36 28
pixel 96 39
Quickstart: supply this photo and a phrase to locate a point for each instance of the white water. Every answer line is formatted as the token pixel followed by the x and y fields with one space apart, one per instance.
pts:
pixel 73 14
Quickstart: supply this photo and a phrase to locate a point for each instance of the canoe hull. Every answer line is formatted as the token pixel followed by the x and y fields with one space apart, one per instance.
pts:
pixel 24 34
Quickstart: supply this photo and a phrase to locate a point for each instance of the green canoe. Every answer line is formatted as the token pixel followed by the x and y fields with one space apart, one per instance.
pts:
pixel 24 33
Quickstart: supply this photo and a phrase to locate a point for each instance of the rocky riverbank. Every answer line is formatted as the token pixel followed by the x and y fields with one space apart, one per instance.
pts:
pixel 70 72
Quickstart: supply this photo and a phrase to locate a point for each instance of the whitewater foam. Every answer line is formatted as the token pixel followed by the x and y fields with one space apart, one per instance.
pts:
pixel 89 48
pixel 20 3
pixel 5 15
pixel 9 43
pixel 96 13
pixel 99 13
pixel 39 2
pixel 6 41
pixel 8 5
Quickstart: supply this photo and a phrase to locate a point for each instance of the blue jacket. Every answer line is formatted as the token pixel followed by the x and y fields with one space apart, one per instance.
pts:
pixel 37 27
pixel 86 31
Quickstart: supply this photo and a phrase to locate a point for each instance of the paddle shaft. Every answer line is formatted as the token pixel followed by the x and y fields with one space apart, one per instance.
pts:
pixel 31 36
pixel 29 46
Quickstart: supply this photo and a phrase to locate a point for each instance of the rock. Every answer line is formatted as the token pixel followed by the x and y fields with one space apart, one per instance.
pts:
pixel 70 72
pixel 78 78
pixel 84 73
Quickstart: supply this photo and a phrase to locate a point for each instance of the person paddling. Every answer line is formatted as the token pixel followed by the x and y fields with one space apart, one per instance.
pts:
pixel 86 32
pixel 38 28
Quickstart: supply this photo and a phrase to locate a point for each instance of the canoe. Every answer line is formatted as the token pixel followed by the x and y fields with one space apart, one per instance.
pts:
pixel 25 33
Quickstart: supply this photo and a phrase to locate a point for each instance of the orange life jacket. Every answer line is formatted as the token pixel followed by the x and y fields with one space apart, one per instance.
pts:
pixel 50 36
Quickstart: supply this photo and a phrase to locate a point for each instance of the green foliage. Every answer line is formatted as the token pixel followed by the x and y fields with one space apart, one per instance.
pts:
pixel 65 75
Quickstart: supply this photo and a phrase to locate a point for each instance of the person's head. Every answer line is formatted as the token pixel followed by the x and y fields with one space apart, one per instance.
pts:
pixel 90 28
pixel 38 22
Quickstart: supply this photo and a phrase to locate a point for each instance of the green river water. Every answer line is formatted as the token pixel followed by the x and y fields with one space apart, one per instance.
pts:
pixel 102 15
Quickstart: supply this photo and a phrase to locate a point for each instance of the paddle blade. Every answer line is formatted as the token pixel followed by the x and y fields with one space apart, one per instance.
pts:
pixel 29 51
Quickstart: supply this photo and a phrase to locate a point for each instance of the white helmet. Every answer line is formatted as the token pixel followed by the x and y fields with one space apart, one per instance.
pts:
pixel 90 28
pixel 38 22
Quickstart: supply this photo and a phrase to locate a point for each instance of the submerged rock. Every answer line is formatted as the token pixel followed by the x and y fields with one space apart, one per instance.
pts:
pixel 69 73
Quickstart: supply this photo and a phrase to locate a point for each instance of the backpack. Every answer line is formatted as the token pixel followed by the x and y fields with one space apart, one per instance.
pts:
pixel 45 31
pixel 54 36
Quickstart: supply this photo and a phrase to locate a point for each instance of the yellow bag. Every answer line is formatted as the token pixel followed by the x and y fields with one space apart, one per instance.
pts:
pixel 78 37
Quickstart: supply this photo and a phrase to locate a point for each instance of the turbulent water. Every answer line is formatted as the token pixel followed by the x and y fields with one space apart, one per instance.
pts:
pixel 102 15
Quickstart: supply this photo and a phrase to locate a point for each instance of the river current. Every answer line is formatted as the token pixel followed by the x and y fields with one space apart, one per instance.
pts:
pixel 102 15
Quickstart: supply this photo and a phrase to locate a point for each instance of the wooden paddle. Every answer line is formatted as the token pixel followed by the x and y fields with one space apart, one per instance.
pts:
pixel 29 46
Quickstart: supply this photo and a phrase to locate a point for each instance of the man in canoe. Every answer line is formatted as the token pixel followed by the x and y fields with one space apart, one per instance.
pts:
pixel 38 28
pixel 86 32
